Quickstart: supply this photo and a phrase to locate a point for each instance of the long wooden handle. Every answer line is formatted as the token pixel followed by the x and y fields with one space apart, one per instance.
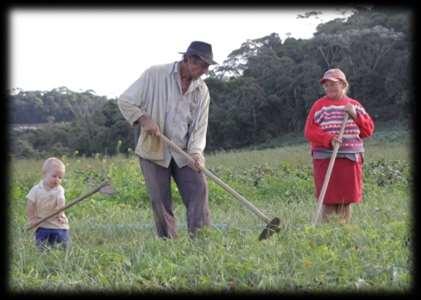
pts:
pixel 329 170
pixel 70 204
pixel 225 186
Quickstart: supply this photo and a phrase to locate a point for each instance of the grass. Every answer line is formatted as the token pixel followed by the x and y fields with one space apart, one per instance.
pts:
pixel 114 248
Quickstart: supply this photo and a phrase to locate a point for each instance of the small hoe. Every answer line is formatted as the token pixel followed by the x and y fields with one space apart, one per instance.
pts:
pixel 104 188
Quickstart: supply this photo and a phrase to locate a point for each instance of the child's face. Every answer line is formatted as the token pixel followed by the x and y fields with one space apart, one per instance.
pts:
pixel 53 177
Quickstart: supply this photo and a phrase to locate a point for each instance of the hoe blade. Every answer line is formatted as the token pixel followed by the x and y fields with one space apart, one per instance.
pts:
pixel 270 229
pixel 107 190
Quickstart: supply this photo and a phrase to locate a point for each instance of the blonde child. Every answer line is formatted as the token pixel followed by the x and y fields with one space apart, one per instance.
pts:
pixel 43 199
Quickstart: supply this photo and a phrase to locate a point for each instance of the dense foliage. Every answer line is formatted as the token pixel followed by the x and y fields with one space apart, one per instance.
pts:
pixel 261 92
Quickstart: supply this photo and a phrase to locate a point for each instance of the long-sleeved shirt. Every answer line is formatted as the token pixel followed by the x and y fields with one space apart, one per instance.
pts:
pixel 182 118
pixel 324 122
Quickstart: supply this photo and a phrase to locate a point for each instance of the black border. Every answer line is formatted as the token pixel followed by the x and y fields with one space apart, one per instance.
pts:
pixel 186 5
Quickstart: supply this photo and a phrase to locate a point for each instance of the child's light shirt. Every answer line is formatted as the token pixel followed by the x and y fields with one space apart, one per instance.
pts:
pixel 47 201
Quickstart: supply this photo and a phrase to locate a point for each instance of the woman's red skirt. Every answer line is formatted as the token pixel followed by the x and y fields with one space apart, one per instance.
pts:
pixel 346 181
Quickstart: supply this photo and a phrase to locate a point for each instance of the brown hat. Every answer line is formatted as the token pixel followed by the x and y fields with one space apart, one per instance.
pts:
pixel 334 75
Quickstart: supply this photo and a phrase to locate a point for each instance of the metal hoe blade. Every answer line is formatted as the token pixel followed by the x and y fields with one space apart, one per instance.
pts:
pixel 270 229
pixel 107 190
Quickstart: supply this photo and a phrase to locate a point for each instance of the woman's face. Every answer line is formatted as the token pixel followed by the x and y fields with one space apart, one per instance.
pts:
pixel 334 89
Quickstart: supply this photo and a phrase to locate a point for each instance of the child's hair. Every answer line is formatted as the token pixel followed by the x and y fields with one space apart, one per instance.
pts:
pixel 52 162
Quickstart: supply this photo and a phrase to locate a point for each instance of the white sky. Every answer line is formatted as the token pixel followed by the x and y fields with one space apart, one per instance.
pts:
pixel 106 50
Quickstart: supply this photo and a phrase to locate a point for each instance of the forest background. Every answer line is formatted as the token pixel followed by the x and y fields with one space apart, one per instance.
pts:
pixel 260 95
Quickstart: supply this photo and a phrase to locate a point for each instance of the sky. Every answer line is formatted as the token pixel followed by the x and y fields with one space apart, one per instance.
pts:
pixel 106 50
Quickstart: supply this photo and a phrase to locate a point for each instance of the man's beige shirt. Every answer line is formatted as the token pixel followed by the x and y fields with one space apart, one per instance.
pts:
pixel 182 118
pixel 47 201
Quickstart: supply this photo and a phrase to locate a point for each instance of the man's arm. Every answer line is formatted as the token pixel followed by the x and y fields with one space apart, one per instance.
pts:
pixel 197 141
pixel 131 101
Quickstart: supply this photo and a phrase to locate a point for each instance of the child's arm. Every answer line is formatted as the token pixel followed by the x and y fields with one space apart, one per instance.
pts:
pixel 31 212
pixel 60 204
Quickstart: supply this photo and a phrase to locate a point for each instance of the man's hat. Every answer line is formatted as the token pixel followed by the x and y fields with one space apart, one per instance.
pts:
pixel 201 49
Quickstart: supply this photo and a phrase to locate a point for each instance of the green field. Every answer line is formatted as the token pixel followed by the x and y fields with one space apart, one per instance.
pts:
pixel 114 247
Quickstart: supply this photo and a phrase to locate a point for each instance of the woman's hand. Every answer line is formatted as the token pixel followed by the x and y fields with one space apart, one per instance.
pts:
pixel 336 141
pixel 350 109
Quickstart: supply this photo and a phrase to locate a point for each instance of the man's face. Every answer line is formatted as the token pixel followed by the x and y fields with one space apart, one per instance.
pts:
pixel 197 67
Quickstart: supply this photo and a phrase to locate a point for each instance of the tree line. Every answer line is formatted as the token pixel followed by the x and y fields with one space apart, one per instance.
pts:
pixel 263 90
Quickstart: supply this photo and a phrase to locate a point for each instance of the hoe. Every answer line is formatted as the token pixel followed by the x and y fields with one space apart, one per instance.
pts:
pixel 272 226
pixel 329 173
pixel 104 188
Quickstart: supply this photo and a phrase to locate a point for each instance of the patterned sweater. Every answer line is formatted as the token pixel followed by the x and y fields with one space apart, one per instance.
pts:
pixel 324 122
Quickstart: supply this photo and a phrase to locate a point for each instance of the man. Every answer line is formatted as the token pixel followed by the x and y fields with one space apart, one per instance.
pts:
pixel 172 99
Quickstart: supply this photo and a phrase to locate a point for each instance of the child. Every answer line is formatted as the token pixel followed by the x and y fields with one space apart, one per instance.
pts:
pixel 45 198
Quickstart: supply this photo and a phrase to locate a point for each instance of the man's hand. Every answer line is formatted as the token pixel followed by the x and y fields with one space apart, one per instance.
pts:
pixel 149 125
pixel 199 162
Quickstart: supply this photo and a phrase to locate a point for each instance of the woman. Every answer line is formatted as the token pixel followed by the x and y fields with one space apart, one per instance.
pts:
pixel 321 130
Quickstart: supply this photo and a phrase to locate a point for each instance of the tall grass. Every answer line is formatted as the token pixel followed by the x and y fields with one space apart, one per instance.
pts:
pixel 114 247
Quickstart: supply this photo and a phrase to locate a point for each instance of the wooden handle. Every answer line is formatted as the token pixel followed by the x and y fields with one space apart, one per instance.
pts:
pixel 329 170
pixel 70 204
pixel 225 186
